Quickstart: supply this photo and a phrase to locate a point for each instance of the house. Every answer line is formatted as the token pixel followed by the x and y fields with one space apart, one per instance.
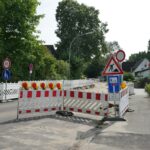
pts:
pixel 141 69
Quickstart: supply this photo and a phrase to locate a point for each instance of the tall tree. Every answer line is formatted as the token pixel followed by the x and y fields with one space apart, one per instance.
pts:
pixel 112 46
pixel 18 22
pixel 19 42
pixel 81 34
pixel 148 49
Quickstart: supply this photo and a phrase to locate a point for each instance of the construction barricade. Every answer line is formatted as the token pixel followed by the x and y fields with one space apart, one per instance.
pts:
pixel 35 101
pixel 124 101
pixel 86 102
pixel 121 100
pixel 39 101
pixel 8 91
pixel 131 88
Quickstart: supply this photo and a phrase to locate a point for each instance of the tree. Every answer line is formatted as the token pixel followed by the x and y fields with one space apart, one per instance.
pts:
pixel 138 56
pixel 74 22
pixel 18 22
pixel 141 55
pixel 19 41
pixel 112 46
pixel 148 49
pixel 95 67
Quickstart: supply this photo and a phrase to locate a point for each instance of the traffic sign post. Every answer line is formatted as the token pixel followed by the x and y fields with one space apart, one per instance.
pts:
pixel 112 67
pixel 114 87
pixel 6 75
pixel 120 55
pixel 114 84
pixel 30 70
pixel 6 63
pixel 113 70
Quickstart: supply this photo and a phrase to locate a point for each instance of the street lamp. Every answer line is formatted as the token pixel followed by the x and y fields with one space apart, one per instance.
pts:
pixel 76 37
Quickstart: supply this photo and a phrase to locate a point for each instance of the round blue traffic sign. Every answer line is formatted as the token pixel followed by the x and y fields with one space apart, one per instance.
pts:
pixel 6 74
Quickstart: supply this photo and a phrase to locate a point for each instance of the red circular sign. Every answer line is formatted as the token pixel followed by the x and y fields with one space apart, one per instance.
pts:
pixel 30 67
pixel 6 63
pixel 120 55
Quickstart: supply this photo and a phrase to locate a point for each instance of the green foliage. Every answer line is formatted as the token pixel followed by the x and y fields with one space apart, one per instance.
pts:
pixel 74 22
pixel 141 55
pixel 138 56
pixel 111 46
pixel 95 67
pixel 140 83
pixel 18 41
pixel 62 69
pixel 128 76
pixel 147 89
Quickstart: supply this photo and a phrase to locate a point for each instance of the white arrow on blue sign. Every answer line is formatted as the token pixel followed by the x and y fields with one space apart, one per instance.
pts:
pixel 6 74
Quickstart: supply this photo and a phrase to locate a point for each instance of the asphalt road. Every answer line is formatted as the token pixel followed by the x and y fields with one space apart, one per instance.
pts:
pixel 77 133
pixel 8 111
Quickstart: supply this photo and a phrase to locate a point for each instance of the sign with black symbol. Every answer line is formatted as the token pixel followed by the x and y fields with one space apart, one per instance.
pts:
pixel 112 68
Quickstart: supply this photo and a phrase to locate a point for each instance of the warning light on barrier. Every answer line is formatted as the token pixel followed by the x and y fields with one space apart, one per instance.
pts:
pixel 59 85
pixel 51 86
pixel 123 85
pixel 43 85
pixel 25 85
pixel 34 85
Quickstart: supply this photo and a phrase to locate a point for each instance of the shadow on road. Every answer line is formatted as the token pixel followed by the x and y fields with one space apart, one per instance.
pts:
pixel 73 119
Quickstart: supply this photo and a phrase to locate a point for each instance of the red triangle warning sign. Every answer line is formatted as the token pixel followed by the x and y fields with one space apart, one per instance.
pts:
pixel 112 68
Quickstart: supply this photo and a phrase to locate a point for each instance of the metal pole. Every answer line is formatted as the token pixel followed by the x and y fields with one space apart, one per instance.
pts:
pixel 18 107
pixel 63 96
pixel 70 49
pixel 114 100
pixel 5 90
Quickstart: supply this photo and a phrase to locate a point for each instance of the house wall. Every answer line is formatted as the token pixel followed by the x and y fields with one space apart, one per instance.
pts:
pixel 143 74
pixel 144 65
pixel 143 70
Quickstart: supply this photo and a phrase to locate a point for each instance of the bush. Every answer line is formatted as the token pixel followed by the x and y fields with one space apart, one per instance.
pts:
pixel 147 89
pixel 128 76
pixel 141 83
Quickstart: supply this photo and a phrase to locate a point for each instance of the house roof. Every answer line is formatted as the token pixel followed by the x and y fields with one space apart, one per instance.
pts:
pixel 138 63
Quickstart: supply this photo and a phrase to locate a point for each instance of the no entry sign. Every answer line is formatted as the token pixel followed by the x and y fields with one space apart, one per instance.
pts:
pixel 6 63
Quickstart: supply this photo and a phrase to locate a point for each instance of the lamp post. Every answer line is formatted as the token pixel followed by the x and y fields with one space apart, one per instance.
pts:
pixel 76 37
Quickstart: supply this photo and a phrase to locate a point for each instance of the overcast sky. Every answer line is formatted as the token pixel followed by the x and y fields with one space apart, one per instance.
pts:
pixel 128 22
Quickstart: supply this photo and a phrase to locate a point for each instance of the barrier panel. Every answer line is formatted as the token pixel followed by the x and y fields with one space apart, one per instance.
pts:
pixel 131 88
pixel 124 101
pixel 86 102
pixel 9 91
pixel 121 99
pixel 39 101
pixel 66 84
pixel 43 100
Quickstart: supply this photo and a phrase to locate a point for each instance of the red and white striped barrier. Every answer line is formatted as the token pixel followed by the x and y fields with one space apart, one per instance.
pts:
pixel 86 102
pixel 40 101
